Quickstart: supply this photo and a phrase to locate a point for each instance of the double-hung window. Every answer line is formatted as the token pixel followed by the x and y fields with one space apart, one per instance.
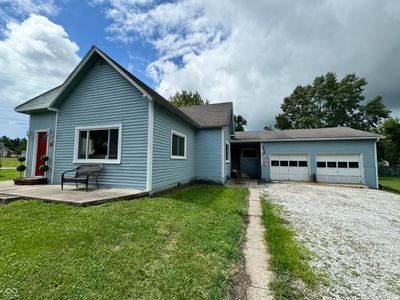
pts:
pixel 178 145
pixel 227 152
pixel 98 144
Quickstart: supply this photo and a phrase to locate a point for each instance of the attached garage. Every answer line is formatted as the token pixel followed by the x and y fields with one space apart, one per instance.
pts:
pixel 337 155
pixel 339 168
pixel 292 167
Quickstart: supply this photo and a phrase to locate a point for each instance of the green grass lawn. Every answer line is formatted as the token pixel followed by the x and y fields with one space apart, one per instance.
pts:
pixel 390 183
pixel 181 245
pixel 289 259
pixel 8 162
pixel 9 174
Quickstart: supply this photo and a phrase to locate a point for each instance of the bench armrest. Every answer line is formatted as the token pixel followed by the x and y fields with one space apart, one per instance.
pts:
pixel 74 170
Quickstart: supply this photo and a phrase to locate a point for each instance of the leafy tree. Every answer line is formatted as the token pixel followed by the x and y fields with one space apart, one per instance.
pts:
pixel 268 128
pixel 187 98
pixel 240 122
pixel 328 102
pixel 389 146
pixel 16 144
pixel 21 146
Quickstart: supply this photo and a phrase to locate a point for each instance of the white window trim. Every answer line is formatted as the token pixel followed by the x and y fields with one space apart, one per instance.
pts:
pixel 173 132
pixel 117 161
pixel 228 159
pixel 35 142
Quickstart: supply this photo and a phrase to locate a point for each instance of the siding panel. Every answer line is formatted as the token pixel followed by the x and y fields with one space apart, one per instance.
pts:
pixel 209 155
pixel 169 172
pixel 364 147
pixel 104 97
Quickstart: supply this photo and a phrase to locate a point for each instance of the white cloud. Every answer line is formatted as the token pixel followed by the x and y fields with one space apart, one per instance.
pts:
pixel 36 55
pixel 10 10
pixel 255 52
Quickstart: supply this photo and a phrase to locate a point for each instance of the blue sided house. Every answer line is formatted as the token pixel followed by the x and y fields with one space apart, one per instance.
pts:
pixel 103 114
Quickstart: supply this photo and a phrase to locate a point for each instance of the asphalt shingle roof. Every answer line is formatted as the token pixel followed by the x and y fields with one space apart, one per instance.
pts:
pixel 213 115
pixel 304 134
pixel 210 115
pixel 41 102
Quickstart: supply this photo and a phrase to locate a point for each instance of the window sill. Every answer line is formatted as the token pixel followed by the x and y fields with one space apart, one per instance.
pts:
pixel 97 161
pixel 178 157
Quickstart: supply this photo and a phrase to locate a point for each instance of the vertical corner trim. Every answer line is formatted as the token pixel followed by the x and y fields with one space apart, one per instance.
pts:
pixel 376 167
pixel 150 137
pixel 54 148
pixel 222 155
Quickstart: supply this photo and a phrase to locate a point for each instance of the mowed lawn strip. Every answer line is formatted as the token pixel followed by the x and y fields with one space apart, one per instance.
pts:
pixel 289 259
pixel 9 174
pixel 9 162
pixel 178 246
pixel 390 183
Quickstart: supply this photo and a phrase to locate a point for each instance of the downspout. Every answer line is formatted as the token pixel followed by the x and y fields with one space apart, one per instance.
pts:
pixel 376 165
pixel 150 138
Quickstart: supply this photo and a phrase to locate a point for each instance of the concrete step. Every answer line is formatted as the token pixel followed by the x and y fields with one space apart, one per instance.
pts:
pixel 5 198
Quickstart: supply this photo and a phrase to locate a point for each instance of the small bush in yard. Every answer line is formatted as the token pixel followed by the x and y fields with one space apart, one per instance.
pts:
pixel 21 168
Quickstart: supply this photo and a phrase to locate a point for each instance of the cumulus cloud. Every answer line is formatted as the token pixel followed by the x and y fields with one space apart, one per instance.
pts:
pixel 10 10
pixel 36 55
pixel 255 53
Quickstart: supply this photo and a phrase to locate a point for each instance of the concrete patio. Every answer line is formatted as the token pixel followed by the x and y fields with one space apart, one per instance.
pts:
pixel 70 194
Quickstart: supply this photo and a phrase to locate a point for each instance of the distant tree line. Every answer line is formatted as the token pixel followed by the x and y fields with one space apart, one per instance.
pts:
pixel 17 145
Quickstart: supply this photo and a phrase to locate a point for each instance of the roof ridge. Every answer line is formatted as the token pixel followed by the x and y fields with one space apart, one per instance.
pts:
pixel 164 102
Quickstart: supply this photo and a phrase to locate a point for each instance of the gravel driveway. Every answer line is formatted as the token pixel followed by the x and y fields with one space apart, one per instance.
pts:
pixel 355 234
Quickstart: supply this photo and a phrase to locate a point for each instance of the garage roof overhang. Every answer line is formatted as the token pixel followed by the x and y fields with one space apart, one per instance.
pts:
pixel 304 140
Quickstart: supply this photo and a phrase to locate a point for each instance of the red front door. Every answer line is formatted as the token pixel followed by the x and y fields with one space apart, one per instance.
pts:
pixel 41 143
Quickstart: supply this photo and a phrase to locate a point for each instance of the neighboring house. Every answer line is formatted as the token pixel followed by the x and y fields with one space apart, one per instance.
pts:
pixel 4 151
pixel 104 114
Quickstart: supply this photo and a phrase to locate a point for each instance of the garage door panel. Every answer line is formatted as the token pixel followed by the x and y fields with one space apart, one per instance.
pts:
pixel 289 167
pixel 341 168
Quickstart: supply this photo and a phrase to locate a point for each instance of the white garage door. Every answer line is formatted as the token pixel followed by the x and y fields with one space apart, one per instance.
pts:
pixel 339 168
pixel 290 167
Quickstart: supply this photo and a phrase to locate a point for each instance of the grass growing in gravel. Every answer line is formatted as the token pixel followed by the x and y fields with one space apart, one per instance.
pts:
pixel 390 183
pixel 289 260
pixel 181 245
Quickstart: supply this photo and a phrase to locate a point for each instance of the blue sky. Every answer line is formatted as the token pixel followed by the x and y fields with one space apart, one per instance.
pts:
pixel 253 53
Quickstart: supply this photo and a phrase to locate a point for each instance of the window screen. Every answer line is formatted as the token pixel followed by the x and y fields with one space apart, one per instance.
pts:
pixel 227 152
pixel 98 143
pixel 178 145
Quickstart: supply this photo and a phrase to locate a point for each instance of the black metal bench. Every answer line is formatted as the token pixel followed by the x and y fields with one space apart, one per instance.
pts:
pixel 83 174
